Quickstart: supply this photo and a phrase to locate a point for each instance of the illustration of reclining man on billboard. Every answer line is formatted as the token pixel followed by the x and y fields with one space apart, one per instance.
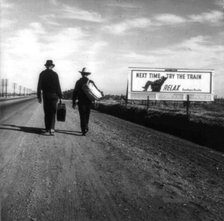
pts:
pixel 155 85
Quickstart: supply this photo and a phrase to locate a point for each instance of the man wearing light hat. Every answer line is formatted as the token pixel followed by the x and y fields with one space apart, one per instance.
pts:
pixel 50 86
pixel 84 103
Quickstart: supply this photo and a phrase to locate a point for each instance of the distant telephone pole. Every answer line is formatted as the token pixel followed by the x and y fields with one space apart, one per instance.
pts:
pixel 3 80
pixel 14 89
pixel 6 87
pixel 20 88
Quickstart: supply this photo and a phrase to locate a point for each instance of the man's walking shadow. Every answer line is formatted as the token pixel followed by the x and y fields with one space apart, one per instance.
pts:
pixel 69 132
pixel 35 130
pixel 32 130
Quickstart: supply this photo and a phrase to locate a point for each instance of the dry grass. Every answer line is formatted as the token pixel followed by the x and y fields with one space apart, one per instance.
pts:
pixel 205 124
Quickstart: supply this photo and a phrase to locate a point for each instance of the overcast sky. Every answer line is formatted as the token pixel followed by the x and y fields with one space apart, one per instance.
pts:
pixel 107 37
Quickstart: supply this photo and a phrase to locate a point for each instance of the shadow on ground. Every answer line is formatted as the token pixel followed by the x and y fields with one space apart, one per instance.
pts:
pixel 35 130
pixel 69 132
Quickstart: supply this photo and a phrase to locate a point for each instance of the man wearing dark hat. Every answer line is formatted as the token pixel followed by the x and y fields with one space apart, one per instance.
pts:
pixel 84 103
pixel 49 84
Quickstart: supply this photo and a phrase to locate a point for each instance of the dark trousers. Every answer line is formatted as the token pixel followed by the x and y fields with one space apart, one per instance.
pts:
pixel 50 108
pixel 84 112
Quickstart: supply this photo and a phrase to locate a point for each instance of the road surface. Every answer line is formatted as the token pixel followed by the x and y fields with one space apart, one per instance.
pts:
pixel 119 171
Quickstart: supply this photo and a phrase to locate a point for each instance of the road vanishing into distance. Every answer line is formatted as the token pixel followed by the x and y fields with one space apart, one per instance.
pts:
pixel 120 171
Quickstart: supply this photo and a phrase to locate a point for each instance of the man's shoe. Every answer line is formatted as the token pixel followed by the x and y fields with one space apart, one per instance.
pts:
pixel 46 132
pixel 52 132
pixel 86 130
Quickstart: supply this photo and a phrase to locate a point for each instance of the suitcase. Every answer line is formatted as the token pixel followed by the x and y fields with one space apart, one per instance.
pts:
pixel 61 111
pixel 91 91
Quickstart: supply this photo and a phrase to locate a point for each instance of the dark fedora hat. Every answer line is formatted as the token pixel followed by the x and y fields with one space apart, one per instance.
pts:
pixel 49 63
pixel 84 72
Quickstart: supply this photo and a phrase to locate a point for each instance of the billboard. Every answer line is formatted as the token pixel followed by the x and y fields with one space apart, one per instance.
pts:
pixel 170 84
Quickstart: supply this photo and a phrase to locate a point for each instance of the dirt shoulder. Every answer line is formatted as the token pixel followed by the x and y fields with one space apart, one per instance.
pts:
pixel 203 127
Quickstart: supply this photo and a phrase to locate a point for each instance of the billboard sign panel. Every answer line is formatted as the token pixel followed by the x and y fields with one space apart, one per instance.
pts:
pixel 170 84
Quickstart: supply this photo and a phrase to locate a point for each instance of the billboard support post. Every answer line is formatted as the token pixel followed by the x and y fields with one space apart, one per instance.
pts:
pixel 147 102
pixel 126 99
pixel 188 106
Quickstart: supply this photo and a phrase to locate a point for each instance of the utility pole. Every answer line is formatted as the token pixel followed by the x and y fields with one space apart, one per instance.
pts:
pixel 3 80
pixel 6 87
pixel 20 88
pixel 14 89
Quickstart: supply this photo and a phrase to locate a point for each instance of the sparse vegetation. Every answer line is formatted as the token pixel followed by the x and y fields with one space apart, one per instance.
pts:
pixel 204 126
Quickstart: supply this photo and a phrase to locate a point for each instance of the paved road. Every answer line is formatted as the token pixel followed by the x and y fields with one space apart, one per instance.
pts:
pixel 119 171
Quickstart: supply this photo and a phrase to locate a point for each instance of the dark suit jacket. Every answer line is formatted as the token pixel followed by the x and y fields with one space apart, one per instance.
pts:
pixel 49 83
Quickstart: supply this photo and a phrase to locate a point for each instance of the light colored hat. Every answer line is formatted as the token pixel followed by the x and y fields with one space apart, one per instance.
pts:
pixel 84 72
